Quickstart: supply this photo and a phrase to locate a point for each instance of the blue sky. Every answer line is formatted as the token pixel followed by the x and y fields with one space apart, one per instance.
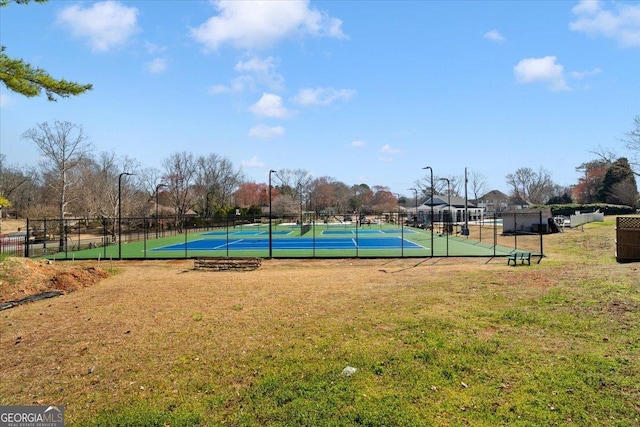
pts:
pixel 361 91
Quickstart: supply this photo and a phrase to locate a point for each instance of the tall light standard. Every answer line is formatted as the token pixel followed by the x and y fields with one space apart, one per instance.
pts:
pixel 120 212
pixel 270 230
pixel 401 228
pixel 448 208
pixel 431 202
pixel 157 220
pixel 466 205
pixel 415 218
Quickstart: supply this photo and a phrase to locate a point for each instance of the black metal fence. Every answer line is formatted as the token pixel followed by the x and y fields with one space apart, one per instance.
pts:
pixel 139 238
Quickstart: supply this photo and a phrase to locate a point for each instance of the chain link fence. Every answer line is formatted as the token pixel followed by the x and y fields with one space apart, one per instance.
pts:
pixel 306 235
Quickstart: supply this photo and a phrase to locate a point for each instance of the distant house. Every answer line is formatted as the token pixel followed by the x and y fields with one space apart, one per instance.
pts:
pixel 445 209
pixel 494 202
pixel 518 203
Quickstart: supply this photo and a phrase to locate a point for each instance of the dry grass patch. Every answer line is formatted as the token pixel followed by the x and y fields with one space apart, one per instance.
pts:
pixel 435 341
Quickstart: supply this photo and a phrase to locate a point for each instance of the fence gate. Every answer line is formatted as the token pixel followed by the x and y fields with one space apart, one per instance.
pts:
pixel 627 239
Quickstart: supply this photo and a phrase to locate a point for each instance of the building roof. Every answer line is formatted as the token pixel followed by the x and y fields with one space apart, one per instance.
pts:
pixel 440 200
pixel 493 195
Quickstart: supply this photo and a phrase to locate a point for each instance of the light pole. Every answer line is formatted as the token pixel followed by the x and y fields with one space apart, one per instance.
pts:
pixel 157 220
pixel 431 202
pixel 466 205
pixel 401 228
pixel 270 230
pixel 415 217
pixel 120 212
pixel 448 208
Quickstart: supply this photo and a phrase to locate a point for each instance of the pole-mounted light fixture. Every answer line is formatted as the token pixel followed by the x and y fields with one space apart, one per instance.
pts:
pixel 120 212
pixel 448 208
pixel 431 170
pixel 270 227
pixel 157 220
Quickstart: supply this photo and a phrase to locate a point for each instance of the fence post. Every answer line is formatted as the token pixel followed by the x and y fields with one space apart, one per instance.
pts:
pixel 65 237
pixel 44 240
pixel 541 249
pixel 515 230
pixel 105 237
pixel 144 235
pixel 357 224
pixel 26 241
pixel 186 237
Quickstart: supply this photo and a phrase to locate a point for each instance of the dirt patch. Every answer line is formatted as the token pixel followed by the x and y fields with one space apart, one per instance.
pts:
pixel 23 277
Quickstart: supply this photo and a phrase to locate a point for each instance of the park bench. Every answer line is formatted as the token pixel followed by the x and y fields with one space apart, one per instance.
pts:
pixel 227 263
pixel 519 256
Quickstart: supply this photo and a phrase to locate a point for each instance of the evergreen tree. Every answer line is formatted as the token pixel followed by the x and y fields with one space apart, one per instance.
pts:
pixel 20 77
pixel 618 176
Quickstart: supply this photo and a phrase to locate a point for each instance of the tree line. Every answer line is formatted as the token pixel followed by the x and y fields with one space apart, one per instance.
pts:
pixel 71 180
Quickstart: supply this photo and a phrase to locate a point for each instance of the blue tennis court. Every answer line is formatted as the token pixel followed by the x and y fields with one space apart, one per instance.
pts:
pixel 364 232
pixel 248 233
pixel 297 243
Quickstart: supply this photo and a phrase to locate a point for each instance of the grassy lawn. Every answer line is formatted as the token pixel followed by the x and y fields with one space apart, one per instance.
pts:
pixel 435 342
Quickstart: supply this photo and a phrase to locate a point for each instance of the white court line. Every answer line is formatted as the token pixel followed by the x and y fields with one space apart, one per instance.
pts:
pixel 229 244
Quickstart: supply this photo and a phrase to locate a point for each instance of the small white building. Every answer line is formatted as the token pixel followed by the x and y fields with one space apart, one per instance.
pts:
pixel 527 221
pixel 445 209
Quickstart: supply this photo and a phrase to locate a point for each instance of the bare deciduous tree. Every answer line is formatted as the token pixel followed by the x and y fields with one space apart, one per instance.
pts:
pixel 295 183
pixel 632 140
pixel 531 186
pixel 180 173
pixel 216 180
pixel 477 184
pixel 63 146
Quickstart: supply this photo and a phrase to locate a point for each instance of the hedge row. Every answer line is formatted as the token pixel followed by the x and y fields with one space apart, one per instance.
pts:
pixel 572 208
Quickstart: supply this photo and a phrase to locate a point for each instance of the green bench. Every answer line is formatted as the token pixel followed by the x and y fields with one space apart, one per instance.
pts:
pixel 519 256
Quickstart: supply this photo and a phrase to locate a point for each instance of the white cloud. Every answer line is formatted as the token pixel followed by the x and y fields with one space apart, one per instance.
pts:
pixel 270 105
pixel 257 65
pixel 263 71
pixel 386 148
pixel 153 48
pixel 543 70
pixel 253 162
pixel 583 74
pixel 587 6
pixel 617 21
pixel 259 72
pixel 357 143
pixel 388 153
pixel 494 35
pixel 237 85
pixel 322 96
pixel 157 65
pixel 264 131
pixel 106 24
pixel 260 24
